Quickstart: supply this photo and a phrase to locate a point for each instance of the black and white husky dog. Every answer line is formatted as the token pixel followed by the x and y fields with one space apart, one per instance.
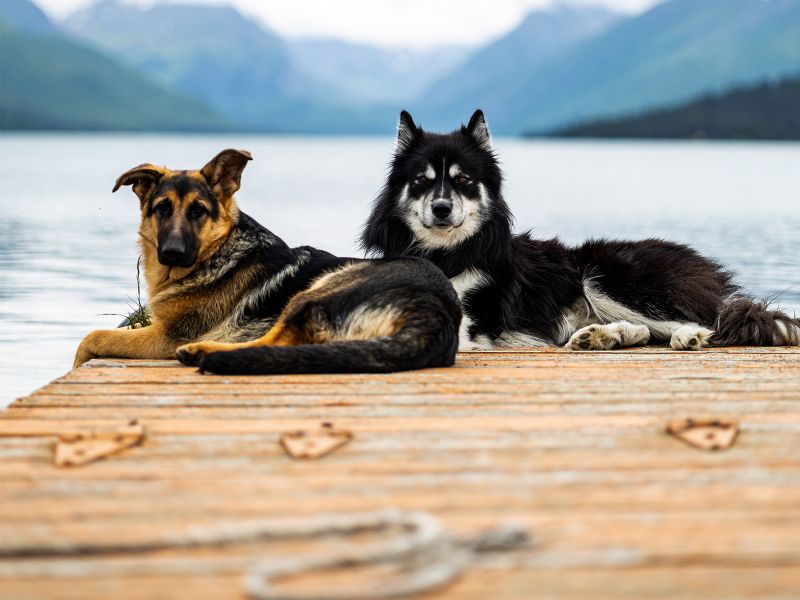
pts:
pixel 443 200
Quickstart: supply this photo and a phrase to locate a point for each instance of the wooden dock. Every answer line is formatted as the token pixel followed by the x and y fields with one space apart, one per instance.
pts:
pixel 571 445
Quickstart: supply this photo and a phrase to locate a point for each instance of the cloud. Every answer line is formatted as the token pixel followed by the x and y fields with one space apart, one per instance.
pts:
pixel 420 23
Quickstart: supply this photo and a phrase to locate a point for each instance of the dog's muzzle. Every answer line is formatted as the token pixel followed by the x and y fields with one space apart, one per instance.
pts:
pixel 442 210
pixel 175 252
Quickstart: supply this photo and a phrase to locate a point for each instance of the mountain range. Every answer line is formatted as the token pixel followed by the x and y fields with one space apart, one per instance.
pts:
pixel 26 16
pixel 359 73
pixel 673 52
pixel 540 38
pixel 252 76
pixel 115 65
pixel 767 111
pixel 48 81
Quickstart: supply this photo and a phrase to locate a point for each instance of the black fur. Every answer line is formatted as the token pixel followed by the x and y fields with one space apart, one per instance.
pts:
pixel 429 340
pixel 530 285
pixel 747 323
pixel 428 337
pixel 182 185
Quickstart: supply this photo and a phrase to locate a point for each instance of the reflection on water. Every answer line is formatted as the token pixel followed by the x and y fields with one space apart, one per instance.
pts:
pixel 68 246
pixel 56 282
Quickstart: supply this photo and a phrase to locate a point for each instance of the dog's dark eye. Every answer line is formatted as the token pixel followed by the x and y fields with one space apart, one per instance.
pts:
pixel 420 179
pixel 164 209
pixel 197 210
pixel 462 179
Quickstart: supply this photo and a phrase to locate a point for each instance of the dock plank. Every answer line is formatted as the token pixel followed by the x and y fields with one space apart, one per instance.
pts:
pixel 571 445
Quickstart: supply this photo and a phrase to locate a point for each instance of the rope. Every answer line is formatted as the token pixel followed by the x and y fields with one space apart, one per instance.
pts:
pixel 423 554
pixel 427 558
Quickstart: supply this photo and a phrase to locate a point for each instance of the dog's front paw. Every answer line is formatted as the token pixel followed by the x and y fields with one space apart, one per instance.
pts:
pixel 609 337
pixel 690 337
pixel 191 355
pixel 593 337
pixel 85 351
pixel 81 356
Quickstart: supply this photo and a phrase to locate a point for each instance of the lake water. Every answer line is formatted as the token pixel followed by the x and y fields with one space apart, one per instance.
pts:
pixel 68 245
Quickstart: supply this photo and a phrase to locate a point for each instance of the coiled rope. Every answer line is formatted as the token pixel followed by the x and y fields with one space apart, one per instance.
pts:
pixel 423 554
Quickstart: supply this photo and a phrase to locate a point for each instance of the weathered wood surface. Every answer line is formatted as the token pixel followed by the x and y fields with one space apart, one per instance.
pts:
pixel 570 444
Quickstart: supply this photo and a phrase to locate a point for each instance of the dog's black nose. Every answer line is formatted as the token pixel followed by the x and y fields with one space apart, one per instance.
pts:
pixel 173 252
pixel 441 209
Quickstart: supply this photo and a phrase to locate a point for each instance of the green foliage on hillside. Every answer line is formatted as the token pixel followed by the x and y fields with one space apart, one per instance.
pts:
pixel 50 82
pixel 763 112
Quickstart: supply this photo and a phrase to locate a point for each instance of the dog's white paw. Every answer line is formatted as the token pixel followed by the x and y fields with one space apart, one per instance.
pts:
pixel 690 337
pixel 609 337
pixel 593 337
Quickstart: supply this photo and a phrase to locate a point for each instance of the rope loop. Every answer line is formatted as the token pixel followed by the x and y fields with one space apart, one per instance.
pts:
pixel 424 556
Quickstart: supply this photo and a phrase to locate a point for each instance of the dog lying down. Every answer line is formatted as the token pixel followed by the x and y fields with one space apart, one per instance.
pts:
pixel 443 200
pixel 229 296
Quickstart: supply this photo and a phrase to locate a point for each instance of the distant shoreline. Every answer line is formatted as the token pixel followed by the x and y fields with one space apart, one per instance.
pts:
pixel 767 111
pixel 531 137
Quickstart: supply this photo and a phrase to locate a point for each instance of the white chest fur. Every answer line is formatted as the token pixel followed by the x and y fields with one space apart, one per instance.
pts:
pixel 465 282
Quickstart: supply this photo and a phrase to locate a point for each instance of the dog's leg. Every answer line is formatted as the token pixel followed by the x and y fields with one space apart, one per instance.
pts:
pixel 279 335
pixel 620 334
pixel 690 337
pixel 145 342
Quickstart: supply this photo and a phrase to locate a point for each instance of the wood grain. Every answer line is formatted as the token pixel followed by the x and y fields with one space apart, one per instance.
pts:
pixel 572 445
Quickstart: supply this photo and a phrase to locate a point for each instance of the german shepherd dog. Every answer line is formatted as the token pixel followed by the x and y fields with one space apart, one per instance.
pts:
pixel 229 296
pixel 443 200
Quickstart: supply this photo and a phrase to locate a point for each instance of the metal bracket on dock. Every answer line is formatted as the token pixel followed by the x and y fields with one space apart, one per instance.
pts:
pixel 314 443
pixel 78 448
pixel 708 434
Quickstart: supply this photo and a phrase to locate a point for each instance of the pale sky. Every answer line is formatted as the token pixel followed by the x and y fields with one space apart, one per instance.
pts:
pixel 412 23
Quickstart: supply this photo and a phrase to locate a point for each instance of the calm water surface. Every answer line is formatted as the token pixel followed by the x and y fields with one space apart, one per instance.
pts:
pixel 68 245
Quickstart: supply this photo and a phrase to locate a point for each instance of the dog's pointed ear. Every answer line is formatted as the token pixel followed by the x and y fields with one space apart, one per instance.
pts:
pixel 143 178
pixel 406 132
pixel 224 172
pixel 479 130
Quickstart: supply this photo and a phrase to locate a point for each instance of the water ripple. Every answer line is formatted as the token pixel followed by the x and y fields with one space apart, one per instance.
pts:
pixel 68 247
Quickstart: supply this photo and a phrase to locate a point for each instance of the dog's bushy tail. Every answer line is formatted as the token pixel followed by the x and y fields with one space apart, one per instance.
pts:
pixel 744 322
pixel 404 351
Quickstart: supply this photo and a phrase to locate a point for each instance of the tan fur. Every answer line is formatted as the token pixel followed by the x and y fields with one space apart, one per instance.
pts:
pixel 142 179
pixel 337 280
pixel 279 335
pixel 363 324
pixel 167 301
pixel 366 323
pixel 146 342
pixel 212 234
pixel 171 302
pixel 124 343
